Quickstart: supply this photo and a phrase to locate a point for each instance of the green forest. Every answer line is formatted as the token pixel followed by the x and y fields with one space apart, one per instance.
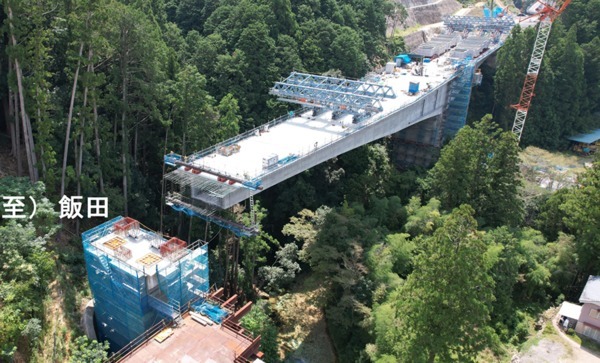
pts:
pixel 451 263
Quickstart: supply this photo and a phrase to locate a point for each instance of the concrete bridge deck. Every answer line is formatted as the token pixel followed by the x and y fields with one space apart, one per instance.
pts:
pixel 301 141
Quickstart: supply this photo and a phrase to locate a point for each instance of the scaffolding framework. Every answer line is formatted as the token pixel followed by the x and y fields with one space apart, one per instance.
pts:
pixel 185 189
pixel 458 99
pixel 419 144
pixel 182 204
pixel 195 184
pixel 127 300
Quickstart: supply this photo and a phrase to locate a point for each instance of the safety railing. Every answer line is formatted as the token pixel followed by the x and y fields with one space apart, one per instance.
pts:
pixel 138 342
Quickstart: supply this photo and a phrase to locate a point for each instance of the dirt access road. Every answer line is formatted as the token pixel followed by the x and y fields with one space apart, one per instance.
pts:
pixel 558 348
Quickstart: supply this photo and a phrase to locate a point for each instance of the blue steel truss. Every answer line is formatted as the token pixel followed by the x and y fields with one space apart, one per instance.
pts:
pixel 332 93
pixel 459 97
pixel 340 84
pixel 471 23
pixel 318 97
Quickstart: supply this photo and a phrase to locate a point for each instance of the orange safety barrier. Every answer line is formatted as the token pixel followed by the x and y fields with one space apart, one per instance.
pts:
pixel 171 246
pixel 125 225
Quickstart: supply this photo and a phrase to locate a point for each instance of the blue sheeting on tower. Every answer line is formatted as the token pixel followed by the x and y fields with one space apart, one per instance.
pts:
pixel 128 301
pixel 460 95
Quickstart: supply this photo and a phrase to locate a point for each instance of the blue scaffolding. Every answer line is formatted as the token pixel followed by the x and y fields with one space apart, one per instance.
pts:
pixel 459 97
pixel 127 300
pixel 178 204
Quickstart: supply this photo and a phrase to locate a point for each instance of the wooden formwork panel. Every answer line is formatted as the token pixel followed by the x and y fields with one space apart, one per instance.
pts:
pixel 114 243
pixel 149 259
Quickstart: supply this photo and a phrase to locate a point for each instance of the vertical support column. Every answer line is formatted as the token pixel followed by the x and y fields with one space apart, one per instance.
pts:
pixel 252 213
pixel 418 144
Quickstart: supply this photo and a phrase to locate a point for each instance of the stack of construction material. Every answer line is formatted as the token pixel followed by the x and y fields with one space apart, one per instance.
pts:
pixel 229 150
pixel 472 46
pixel 437 45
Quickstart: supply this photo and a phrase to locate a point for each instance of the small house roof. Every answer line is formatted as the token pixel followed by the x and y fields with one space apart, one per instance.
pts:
pixel 570 310
pixel 587 138
pixel 591 291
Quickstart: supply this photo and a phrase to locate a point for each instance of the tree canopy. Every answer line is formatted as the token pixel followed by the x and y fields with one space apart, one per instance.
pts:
pixel 443 308
pixel 480 166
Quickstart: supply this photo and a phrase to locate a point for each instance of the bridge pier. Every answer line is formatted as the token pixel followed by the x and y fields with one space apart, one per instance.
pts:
pixel 419 144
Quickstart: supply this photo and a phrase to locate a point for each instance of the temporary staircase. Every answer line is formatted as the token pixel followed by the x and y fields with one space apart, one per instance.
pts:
pixel 176 307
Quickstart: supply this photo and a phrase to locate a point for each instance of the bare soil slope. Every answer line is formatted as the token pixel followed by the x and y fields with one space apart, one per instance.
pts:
pixel 426 12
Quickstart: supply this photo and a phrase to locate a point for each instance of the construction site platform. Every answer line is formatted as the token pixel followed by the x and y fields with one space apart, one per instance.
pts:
pixel 304 133
pixel 192 342
pixel 136 249
pixel 337 116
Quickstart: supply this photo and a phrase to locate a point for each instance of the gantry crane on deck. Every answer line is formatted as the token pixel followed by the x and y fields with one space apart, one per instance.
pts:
pixel 546 16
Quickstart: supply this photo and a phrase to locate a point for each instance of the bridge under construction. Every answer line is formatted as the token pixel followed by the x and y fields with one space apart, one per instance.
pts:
pixel 337 115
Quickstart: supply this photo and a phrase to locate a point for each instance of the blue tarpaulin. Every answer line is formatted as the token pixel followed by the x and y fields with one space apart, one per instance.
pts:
pixel 404 57
pixel 497 11
pixel 214 312
pixel 587 138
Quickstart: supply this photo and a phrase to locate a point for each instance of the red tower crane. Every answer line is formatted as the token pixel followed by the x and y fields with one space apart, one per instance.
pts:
pixel 547 15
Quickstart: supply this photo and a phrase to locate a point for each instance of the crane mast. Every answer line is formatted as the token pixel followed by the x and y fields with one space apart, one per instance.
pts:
pixel 533 70
pixel 547 16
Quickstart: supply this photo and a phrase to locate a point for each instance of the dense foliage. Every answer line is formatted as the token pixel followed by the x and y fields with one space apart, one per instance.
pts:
pixel 443 308
pixel 480 167
pixel 393 269
pixel 27 269
pixel 89 351
pixel 95 92
pixel 258 322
